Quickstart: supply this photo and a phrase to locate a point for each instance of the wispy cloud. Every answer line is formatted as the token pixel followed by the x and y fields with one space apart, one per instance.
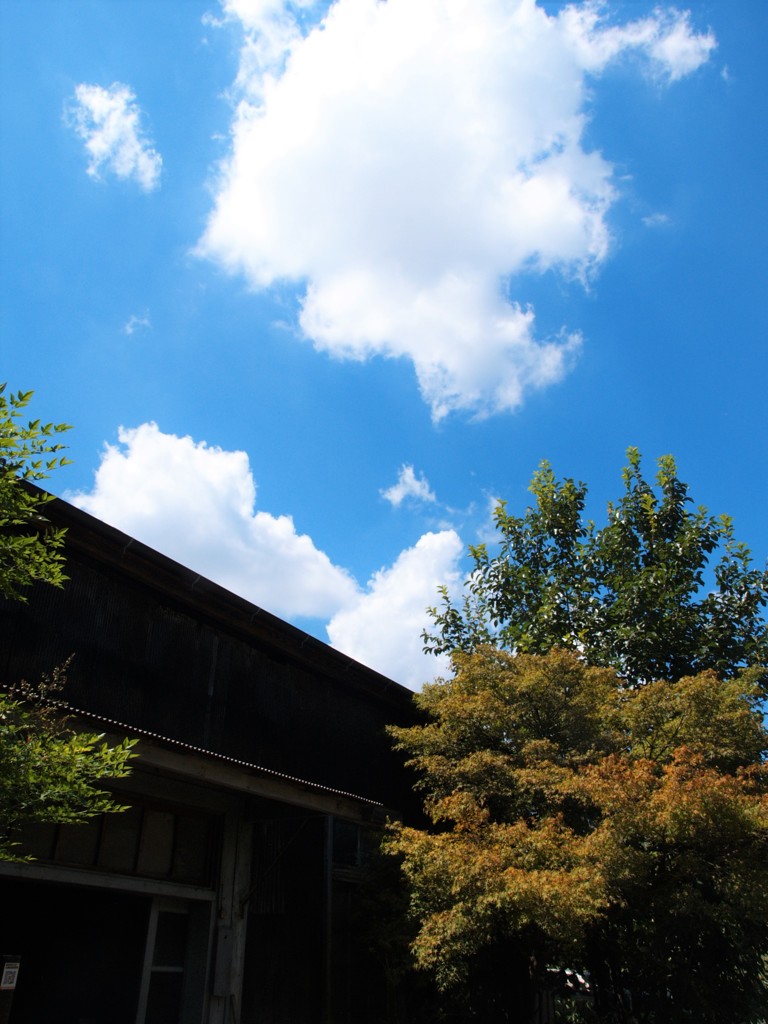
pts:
pixel 666 39
pixel 137 322
pixel 109 123
pixel 444 143
pixel 656 220
pixel 409 487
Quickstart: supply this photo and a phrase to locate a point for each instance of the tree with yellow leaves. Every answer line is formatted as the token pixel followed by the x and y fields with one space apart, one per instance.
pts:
pixel 594 845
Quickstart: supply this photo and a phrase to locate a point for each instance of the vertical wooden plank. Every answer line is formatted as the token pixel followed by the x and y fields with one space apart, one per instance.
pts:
pixel 328 921
pixel 232 920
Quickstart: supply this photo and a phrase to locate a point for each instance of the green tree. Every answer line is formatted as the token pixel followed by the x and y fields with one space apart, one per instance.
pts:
pixel 632 594
pixel 30 548
pixel 49 772
pixel 584 828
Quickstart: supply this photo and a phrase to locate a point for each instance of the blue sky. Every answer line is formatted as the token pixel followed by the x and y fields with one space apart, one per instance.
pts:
pixel 315 283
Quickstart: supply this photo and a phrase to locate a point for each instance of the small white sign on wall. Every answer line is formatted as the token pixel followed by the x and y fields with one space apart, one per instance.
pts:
pixel 8 977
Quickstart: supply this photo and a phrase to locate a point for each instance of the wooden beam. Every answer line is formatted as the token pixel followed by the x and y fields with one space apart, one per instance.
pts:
pixel 272 787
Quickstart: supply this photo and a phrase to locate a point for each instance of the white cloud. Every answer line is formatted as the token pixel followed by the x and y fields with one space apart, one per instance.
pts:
pixel 666 38
pixel 400 160
pixel 409 487
pixel 678 50
pixel 108 122
pixel 383 627
pixel 137 322
pixel 195 503
pixel 657 220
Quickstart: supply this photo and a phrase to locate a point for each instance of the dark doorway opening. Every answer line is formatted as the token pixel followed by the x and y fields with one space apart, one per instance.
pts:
pixel 82 951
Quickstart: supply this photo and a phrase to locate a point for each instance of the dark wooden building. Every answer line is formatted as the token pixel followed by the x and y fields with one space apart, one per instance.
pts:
pixel 228 892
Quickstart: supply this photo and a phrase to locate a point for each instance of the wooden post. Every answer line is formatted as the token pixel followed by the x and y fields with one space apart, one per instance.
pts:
pixel 232 920
pixel 328 921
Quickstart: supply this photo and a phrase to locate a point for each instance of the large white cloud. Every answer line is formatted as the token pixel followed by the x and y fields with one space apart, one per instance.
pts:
pixel 109 123
pixel 402 160
pixel 195 503
pixel 383 627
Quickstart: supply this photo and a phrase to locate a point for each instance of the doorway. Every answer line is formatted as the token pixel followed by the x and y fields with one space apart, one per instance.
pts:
pixel 81 949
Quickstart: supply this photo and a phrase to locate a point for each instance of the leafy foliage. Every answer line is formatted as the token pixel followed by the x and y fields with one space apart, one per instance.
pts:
pixel 30 548
pixel 631 594
pixel 584 828
pixel 48 771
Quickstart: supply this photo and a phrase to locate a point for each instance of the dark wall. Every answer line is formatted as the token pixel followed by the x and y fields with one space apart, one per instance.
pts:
pixel 222 675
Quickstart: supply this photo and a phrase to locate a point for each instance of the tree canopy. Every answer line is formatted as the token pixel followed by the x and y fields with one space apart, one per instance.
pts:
pixel 602 841
pixel 49 772
pixel 661 590
pixel 594 772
